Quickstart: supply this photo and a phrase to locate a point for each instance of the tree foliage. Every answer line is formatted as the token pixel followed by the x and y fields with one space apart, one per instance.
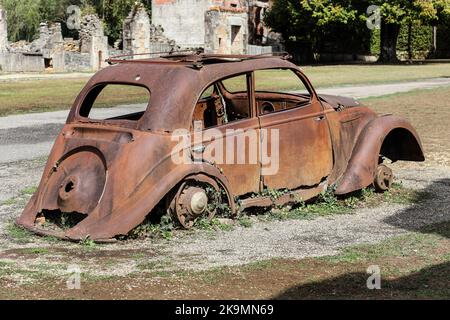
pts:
pixel 314 20
pixel 309 19
pixel 24 16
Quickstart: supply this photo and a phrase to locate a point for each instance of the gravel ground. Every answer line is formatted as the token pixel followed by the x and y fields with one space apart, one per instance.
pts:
pixel 200 250
pixel 327 235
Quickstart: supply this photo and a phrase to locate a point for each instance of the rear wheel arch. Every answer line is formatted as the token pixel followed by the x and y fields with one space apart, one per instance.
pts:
pixel 142 202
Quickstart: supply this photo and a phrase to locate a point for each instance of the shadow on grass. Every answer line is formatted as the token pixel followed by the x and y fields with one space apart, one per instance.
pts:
pixel 430 214
pixel 430 207
pixel 429 283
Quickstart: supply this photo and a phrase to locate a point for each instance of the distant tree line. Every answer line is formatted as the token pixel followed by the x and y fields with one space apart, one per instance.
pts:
pixel 315 23
pixel 24 16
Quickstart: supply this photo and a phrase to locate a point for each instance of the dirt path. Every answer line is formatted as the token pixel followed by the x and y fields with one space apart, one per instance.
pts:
pixel 7 77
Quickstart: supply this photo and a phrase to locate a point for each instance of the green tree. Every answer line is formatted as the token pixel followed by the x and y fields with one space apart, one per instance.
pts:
pixel 309 20
pixel 312 19
pixel 397 12
pixel 23 18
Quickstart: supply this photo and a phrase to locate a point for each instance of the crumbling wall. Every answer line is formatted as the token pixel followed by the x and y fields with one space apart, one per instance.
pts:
pixel 140 36
pixel 258 31
pixel 226 32
pixel 21 62
pixel 182 20
pixel 93 41
pixel 136 31
pixel 3 31
pixel 77 62
pixel 219 26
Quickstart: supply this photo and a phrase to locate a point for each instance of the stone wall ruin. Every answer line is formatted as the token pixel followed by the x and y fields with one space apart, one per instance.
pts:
pixel 217 26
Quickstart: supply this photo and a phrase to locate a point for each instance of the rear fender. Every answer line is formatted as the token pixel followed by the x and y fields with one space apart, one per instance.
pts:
pixel 132 213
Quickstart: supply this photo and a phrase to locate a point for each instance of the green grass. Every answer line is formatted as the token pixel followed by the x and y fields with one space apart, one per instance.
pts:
pixel 412 244
pixel 327 76
pixel 9 202
pixel 23 196
pixel 245 222
pixel 35 251
pixel 18 234
pixel 28 190
pixel 59 94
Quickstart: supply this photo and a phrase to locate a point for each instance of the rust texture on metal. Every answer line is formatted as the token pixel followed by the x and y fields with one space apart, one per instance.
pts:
pixel 115 172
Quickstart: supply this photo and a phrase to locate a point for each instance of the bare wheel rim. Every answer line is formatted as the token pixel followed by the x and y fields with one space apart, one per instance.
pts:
pixel 194 200
pixel 383 178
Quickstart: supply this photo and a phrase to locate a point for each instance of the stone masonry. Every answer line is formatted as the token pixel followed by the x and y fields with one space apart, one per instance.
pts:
pixel 3 31
pixel 141 37
pixel 221 26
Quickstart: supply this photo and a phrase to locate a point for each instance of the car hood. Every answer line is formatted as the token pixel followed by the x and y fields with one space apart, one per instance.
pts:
pixel 339 101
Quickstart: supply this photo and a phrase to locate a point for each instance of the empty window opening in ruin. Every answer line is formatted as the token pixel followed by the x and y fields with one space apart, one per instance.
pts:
pixel 48 62
pixel 235 33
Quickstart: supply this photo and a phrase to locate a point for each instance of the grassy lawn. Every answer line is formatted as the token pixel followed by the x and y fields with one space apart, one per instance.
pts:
pixel 59 94
pixel 327 76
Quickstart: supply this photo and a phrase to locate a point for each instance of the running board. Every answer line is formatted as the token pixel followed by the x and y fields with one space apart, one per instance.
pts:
pixel 290 197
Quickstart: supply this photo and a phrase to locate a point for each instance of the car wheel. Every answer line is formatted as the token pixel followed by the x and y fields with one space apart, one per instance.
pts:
pixel 383 178
pixel 196 199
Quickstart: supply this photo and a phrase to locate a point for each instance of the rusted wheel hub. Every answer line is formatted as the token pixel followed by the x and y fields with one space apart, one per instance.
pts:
pixel 383 178
pixel 194 200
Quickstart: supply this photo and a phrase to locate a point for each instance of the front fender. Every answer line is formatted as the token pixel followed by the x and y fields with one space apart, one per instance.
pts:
pixel 392 136
pixel 133 212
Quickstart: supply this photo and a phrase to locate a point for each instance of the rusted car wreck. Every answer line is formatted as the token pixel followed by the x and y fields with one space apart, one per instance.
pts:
pixel 115 171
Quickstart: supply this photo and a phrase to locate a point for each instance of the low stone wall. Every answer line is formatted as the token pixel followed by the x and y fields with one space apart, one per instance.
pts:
pixel 21 62
pixel 77 62
pixel 255 50
pixel 344 57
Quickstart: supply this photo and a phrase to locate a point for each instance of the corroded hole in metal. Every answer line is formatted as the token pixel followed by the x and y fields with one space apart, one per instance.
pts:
pixel 69 186
pixel 56 220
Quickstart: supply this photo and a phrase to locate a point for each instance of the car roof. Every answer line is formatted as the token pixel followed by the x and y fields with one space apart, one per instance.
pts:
pixel 176 84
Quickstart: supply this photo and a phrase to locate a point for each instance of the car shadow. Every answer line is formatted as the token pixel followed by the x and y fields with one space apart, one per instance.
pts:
pixel 431 206
pixel 431 282
pixel 429 214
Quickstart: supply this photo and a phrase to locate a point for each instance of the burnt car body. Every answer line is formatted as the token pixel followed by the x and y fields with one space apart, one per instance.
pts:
pixel 114 172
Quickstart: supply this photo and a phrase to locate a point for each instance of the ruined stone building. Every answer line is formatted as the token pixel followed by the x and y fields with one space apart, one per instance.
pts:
pixel 218 26
pixel 141 36
pixel 51 51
